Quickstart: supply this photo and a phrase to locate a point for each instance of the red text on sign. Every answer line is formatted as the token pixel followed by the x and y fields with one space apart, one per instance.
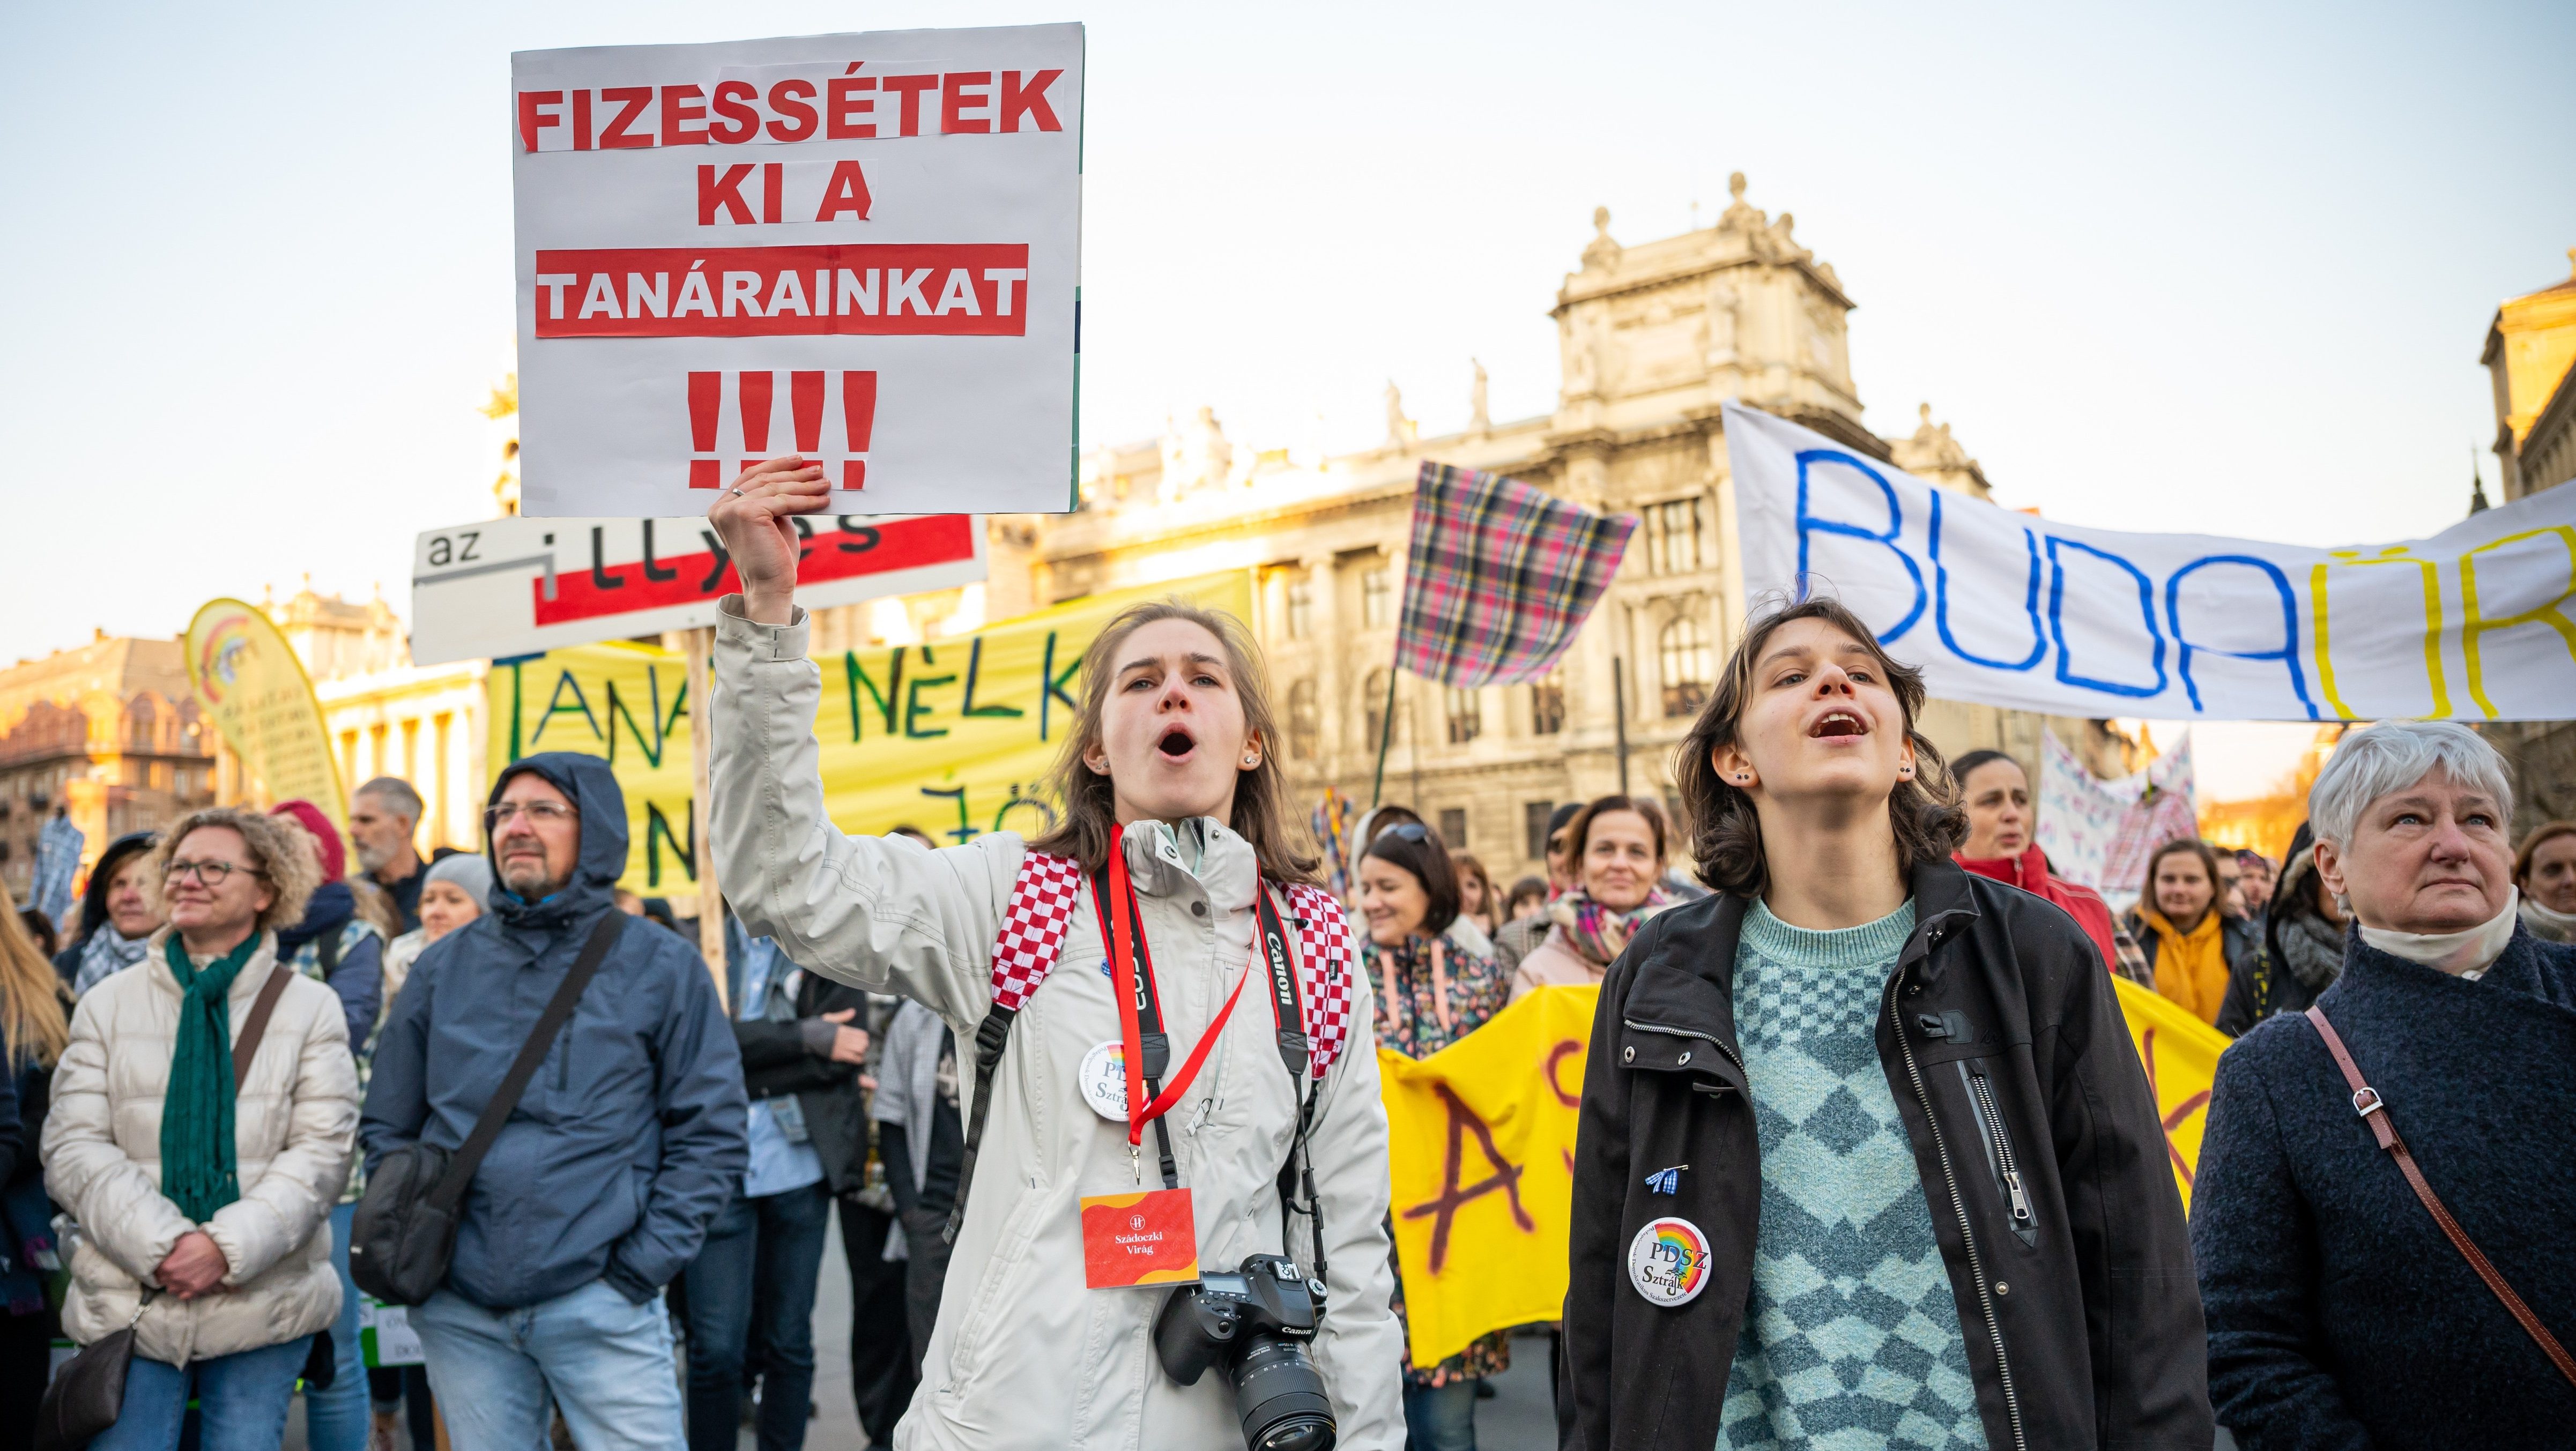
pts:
pixel 686 579
pixel 756 402
pixel 926 289
pixel 734 112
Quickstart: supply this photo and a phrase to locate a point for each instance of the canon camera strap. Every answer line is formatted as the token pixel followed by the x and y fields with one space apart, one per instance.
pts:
pixel 1288 1010
pixel 1154 1046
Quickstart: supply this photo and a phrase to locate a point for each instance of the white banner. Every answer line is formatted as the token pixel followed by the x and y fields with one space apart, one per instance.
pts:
pixel 864 249
pixel 2012 610
pixel 2099 833
pixel 507 587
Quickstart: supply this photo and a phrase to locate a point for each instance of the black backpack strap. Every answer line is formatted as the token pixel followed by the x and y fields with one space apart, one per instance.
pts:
pixel 327 952
pixel 991 1037
pixel 469 1156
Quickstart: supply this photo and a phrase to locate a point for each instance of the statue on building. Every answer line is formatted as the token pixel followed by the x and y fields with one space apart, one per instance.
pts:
pixel 1399 429
pixel 1723 298
pixel 1196 455
pixel 1740 215
pixel 1603 251
pixel 1478 419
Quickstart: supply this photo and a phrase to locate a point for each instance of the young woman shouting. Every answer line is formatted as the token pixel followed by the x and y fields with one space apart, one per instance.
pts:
pixel 1163 890
pixel 1865 1157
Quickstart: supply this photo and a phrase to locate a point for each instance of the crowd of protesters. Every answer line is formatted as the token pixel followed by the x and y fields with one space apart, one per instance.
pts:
pixel 1868 1050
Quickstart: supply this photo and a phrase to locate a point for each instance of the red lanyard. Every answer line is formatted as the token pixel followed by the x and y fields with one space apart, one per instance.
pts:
pixel 1138 998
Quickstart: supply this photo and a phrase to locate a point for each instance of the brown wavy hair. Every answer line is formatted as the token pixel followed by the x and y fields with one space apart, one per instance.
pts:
pixel 1262 815
pixel 1726 832
pixel 35 1006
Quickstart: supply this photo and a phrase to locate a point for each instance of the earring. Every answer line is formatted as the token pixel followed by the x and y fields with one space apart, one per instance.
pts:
pixel 1251 761
pixel 1905 771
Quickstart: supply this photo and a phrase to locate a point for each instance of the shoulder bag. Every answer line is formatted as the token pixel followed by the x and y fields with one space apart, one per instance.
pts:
pixel 404 1232
pixel 2374 1111
pixel 88 1393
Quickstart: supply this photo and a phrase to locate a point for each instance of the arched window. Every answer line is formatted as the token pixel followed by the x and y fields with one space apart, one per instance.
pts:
pixel 1302 730
pixel 1682 653
pixel 1465 715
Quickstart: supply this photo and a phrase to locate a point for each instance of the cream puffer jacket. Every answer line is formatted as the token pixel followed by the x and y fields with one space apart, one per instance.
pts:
pixel 1024 1357
pixel 295 1125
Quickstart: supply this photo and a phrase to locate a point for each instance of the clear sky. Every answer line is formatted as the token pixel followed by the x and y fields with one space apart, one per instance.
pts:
pixel 2224 268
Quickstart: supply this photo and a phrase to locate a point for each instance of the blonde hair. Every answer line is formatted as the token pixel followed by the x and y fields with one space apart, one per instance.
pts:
pixel 34 1021
pixel 1262 816
pixel 280 859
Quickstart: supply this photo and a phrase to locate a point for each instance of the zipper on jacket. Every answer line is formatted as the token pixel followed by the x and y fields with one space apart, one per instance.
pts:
pixel 1999 1149
pixel 1687 1033
pixel 1958 1206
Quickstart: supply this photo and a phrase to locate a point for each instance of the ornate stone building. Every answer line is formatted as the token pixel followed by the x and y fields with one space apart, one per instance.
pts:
pixel 1652 337
pixel 105 733
pixel 2530 355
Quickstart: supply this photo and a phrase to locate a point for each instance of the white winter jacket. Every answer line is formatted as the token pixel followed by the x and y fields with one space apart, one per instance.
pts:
pixel 295 1124
pixel 1025 1356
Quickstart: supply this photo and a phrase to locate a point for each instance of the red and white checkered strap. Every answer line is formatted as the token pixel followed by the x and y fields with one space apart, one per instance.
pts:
pixel 1033 926
pixel 1323 971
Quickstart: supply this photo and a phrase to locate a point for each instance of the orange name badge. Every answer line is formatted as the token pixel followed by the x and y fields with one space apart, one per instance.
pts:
pixel 1147 1238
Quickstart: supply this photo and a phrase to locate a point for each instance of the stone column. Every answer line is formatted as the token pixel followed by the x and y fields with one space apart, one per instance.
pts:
pixel 1324 639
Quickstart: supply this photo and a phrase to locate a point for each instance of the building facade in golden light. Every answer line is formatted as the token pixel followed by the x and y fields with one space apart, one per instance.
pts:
pixel 106 734
pixel 1652 338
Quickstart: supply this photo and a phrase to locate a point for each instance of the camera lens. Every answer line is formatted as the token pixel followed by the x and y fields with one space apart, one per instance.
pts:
pixel 1281 1397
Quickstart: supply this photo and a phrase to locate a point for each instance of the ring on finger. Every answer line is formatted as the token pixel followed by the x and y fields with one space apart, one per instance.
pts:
pixel 737 493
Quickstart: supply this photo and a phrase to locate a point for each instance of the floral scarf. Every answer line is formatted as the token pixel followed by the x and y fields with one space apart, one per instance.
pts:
pixel 1597 933
pixel 1431 993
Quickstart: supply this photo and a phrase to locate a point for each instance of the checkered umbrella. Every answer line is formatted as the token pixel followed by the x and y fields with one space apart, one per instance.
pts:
pixel 1500 577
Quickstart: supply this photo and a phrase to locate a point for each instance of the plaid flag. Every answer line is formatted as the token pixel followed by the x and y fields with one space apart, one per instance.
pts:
pixel 1500 578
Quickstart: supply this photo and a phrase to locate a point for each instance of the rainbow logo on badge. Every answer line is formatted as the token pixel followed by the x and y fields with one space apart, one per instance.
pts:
pixel 1668 1262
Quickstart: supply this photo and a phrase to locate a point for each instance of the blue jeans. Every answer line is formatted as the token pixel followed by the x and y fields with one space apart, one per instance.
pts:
pixel 1440 1420
pixel 605 1359
pixel 751 1313
pixel 241 1401
pixel 336 1419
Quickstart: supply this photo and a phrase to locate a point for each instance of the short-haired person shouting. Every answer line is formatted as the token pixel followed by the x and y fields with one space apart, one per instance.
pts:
pixel 1143 1099
pixel 1866 1158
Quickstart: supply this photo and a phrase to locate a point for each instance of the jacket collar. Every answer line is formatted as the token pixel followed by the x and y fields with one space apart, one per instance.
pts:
pixel 1686 984
pixel 245 982
pixel 1159 862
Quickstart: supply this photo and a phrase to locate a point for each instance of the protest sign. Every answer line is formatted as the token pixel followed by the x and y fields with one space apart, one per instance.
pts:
pixel 862 248
pixel 2099 833
pixel 504 587
pixel 2011 610
pixel 1480 1149
pixel 955 736
pixel 251 685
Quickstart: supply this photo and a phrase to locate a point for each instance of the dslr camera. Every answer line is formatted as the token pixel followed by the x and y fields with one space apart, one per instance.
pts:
pixel 1254 1325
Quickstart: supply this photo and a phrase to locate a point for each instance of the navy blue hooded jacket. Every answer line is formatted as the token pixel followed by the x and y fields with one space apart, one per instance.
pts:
pixel 2340 1317
pixel 629 1140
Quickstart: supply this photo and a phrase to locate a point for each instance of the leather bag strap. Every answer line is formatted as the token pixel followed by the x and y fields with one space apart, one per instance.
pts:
pixel 254 1027
pixel 2367 1102
pixel 469 1156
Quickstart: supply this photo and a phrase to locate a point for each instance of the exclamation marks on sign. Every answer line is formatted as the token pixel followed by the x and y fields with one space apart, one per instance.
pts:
pixel 752 391
pixel 706 395
pixel 859 422
pixel 755 398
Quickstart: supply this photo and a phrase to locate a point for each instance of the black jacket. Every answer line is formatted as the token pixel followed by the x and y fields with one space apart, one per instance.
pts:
pixel 2083 1328
pixel 2339 1315
pixel 776 1061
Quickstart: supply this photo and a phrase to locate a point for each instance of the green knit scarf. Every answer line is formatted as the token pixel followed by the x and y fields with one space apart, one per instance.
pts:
pixel 199 1169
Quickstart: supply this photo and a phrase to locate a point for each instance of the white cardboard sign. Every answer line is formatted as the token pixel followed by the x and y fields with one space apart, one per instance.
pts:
pixel 2026 613
pixel 516 586
pixel 864 249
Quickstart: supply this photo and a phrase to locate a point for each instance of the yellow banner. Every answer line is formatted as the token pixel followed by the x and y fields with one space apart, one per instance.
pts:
pixel 249 682
pixel 1480 1146
pixel 955 737
pixel 2180 1054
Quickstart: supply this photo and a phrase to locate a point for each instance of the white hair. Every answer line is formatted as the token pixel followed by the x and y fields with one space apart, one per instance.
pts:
pixel 397 794
pixel 2392 756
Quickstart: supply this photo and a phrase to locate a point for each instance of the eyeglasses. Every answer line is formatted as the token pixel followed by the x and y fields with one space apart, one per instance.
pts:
pixel 539 813
pixel 206 873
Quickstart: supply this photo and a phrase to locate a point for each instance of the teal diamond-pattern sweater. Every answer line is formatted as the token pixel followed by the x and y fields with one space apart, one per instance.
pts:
pixel 1851 1338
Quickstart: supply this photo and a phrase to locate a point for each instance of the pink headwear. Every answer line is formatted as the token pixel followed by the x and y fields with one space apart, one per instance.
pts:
pixel 335 862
